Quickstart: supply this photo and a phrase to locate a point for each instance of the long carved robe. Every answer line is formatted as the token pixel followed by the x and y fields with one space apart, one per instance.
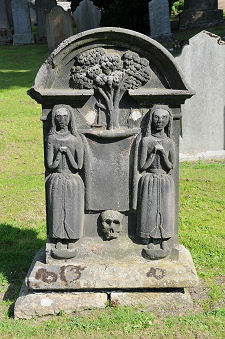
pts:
pixel 64 188
pixel 156 196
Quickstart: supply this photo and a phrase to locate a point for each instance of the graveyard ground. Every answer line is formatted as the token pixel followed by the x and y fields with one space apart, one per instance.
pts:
pixel 22 226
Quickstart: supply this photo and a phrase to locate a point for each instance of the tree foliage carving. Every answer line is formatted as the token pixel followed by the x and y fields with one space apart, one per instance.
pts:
pixel 111 75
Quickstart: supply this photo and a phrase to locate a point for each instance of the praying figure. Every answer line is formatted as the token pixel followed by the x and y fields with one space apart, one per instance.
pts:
pixel 156 193
pixel 64 186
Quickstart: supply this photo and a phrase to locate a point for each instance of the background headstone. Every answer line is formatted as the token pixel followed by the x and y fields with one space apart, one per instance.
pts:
pixel 33 16
pixel 159 20
pixel 203 63
pixel 5 31
pixel 9 12
pixel 201 13
pixel 58 27
pixel 43 7
pixel 86 16
pixel 21 23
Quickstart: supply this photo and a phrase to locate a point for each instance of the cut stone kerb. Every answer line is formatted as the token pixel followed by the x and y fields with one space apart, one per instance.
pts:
pixel 166 83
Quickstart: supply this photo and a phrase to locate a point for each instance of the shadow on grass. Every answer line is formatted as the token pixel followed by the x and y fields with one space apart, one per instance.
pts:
pixel 19 65
pixel 17 249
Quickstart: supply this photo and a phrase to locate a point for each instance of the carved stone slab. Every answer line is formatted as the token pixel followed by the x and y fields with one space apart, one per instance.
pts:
pixel 131 272
pixel 30 305
pixel 116 167
pixel 111 123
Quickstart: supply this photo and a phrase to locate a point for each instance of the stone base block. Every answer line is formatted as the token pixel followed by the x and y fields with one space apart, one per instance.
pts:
pixel 178 300
pixel 23 39
pixel 130 273
pixel 29 305
pixel 192 19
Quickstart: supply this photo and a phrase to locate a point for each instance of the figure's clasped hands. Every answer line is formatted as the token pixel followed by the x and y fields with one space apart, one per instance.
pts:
pixel 63 149
pixel 159 147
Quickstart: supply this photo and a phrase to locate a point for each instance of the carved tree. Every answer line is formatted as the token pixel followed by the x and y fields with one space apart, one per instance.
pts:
pixel 111 75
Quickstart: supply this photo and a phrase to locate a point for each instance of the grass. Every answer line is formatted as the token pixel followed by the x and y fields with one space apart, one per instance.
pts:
pixel 22 226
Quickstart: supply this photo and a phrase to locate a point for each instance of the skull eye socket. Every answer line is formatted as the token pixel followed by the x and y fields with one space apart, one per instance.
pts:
pixel 117 222
pixel 108 221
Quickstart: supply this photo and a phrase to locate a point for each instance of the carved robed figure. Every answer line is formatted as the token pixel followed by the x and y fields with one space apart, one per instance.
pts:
pixel 64 186
pixel 156 196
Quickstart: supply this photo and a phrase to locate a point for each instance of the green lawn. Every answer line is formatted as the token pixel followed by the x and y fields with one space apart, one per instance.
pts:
pixel 22 226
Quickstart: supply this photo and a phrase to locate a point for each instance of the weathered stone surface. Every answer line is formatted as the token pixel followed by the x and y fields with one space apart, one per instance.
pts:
pixel 203 115
pixel 200 14
pixel 21 23
pixel 157 302
pixel 58 26
pixel 43 7
pixel 159 20
pixel 5 31
pixel 29 305
pixel 111 109
pixel 129 270
pixel 86 16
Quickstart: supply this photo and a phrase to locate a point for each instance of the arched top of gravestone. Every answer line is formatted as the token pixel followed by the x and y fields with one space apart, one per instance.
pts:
pixel 164 77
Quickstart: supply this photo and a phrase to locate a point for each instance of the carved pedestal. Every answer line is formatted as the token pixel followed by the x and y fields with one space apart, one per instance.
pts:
pixel 111 108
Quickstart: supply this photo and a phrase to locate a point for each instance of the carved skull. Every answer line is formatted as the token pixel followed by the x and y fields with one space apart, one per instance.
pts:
pixel 111 222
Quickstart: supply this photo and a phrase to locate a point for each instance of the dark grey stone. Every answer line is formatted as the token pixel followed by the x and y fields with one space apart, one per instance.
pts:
pixel 202 13
pixel 113 152
pixel 9 12
pixel 5 30
pixel 86 16
pixel 200 4
pixel 111 122
pixel 59 26
pixel 160 20
pixel 21 23
pixel 43 7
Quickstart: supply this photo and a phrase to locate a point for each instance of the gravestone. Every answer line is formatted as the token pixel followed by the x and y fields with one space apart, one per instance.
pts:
pixel 21 23
pixel 86 16
pixel 5 31
pixel 9 12
pixel 33 16
pixel 43 7
pixel 201 13
pixel 159 20
pixel 59 26
pixel 111 121
pixel 203 63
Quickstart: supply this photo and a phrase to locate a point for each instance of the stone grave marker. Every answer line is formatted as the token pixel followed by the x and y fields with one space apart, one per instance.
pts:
pixel 43 7
pixel 86 16
pixel 159 20
pixel 111 121
pixel 21 23
pixel 33 15
pixel 59 26
pixel 5 31
pixel 201 13
pixel 203 63
pixel 9 12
